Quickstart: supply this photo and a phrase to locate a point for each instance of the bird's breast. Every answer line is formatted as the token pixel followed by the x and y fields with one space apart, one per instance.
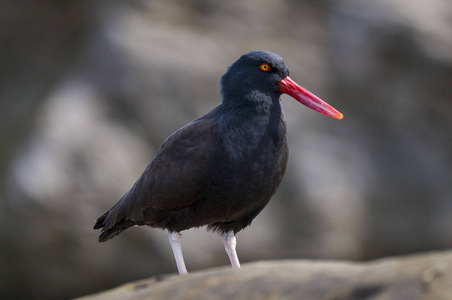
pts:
pixel 253 157
pixel 248 140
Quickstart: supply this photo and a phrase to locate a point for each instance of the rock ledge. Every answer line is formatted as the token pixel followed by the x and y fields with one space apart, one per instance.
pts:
pixel 423 276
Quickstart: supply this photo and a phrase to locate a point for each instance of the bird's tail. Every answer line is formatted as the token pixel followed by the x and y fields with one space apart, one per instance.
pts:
pixel 112 224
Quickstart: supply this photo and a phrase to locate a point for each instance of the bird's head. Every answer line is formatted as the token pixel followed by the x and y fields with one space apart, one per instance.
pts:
pixel 259 73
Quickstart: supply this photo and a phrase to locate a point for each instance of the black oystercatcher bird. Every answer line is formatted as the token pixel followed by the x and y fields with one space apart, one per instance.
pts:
pixel 221 169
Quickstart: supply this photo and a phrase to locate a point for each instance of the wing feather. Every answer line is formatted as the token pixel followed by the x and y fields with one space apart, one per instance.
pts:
pixel 176 178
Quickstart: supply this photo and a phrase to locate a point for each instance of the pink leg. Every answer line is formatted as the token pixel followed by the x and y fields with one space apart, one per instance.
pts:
pixel 230 242
pixel 175 241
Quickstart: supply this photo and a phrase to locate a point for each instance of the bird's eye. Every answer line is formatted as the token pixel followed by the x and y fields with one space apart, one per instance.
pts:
pixel 265 67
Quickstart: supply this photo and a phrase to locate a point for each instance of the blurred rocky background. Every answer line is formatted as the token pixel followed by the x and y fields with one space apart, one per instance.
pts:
pixel 90 89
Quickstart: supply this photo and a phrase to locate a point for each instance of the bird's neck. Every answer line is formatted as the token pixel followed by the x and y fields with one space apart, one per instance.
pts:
pixel 254 103
pixel 248 129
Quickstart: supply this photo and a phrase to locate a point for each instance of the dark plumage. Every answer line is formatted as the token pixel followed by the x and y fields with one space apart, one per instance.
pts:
pixel 221 169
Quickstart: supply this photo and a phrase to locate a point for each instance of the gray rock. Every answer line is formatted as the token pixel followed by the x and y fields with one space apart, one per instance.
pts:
pixel 424 276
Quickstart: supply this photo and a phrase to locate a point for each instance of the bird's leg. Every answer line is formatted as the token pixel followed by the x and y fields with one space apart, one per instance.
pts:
pixel 175 239
pixel 230 242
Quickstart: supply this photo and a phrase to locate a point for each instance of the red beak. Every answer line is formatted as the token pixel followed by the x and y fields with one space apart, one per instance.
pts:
pixel 291 88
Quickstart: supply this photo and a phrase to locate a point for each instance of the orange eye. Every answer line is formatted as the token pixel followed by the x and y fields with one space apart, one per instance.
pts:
pixel 265 67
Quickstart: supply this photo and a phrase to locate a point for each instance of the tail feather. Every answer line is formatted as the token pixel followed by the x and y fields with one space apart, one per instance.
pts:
pixel 111 224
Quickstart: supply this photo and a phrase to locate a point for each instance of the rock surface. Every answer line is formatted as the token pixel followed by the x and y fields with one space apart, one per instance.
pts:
pixel 424 276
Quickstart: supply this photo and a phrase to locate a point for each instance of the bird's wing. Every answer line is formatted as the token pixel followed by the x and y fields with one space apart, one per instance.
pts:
pixel 176 177
pixel 180 169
